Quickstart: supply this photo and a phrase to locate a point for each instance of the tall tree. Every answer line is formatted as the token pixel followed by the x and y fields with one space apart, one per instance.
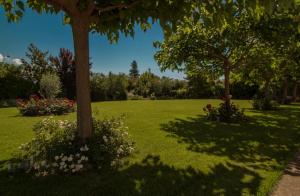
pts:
pixel 262 67
pixel 133 76
pixel 134 72
pixel 281 30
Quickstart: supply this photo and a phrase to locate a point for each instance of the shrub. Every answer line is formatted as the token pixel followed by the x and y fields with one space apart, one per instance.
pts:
pixel 135 97
pixel 224 114
pixel 56 147
pixel 39 107
pixel 50 85
pixel 264 104
pixel 110 142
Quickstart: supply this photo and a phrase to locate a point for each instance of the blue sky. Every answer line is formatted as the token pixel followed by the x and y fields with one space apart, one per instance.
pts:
pixel 48 33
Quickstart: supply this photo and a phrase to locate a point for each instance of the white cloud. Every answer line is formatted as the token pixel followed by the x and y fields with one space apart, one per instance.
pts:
pixel 1 58
pixel 17 61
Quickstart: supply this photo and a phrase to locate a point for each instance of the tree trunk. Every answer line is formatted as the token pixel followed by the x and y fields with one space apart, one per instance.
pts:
pixel 295 90
pixel 285 91
pixel 267 89
pixel 227 83
pixel 80 29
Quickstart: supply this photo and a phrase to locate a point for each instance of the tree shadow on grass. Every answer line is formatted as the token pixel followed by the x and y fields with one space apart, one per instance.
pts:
pixel 265 142
pixel 149 177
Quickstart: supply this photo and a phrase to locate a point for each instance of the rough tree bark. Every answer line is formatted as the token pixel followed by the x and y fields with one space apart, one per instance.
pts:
pixel 80 29
pixel 227 83
pixel 295 91
pixel 267 88
pixel 285 91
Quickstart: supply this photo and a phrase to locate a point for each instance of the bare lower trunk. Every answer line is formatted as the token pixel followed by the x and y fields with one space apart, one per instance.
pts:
pixel 227 84
pixel 80 30
pixel 285 91
pixel 267 89
pixel 295 92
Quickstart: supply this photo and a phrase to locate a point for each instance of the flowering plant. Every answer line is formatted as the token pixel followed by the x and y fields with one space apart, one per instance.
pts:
pixel 56 147
pixel 38 107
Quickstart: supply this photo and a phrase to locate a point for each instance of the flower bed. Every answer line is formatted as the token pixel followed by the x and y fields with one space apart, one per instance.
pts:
pixel 40 107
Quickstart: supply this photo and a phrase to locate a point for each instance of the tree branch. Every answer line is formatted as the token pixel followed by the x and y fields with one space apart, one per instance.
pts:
pixel 100 10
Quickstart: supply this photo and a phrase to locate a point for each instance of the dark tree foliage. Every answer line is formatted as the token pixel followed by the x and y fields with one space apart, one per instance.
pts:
pixel 36 64
pixel 134 72
pixel 64 65
pixel 12 83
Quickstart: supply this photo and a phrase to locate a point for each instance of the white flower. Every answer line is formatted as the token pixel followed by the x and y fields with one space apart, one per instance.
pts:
pixel 105 138
pixel 112 163
pixel 62 163
pixel 82 158
pixel 70 159
pixel 54 164
pixel 64 158
pixel 43 163
pixel 36 166
pixel 72 166
pixel 73 170
pixel 56 158
pixel 78 167
pixel 77 155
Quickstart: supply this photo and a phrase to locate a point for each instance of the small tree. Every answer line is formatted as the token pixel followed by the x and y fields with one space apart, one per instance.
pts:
pixel 205 47
pixel 50 85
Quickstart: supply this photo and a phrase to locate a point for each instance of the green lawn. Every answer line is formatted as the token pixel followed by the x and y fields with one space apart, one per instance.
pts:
pixel 178 152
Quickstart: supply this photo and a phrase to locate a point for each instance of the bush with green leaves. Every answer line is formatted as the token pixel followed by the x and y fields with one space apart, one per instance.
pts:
pixel 50 85
pixel 264 104
pixel 233 114
pixel 56 147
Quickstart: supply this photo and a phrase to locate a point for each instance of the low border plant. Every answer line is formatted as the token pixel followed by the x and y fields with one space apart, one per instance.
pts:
pixel 233 114
pixel 40 107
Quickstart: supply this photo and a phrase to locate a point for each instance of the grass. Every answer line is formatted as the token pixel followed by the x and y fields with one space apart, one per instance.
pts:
pixel 178 152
